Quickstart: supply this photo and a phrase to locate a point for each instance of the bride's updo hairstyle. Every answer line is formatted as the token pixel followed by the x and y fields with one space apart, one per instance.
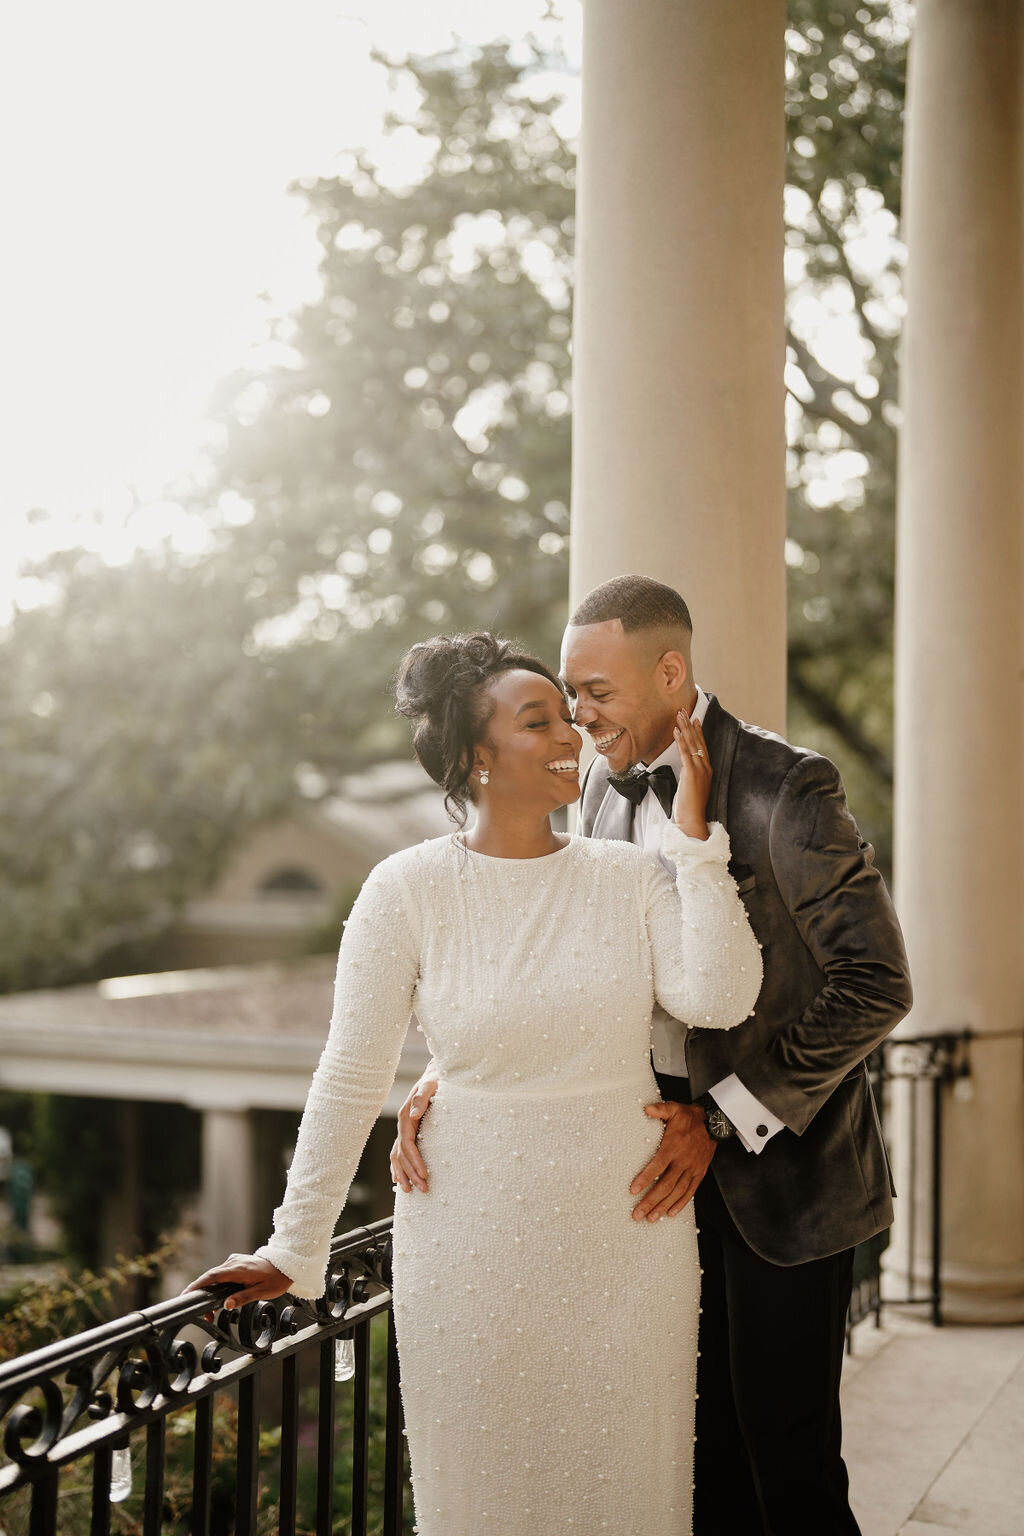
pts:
pixel 441 686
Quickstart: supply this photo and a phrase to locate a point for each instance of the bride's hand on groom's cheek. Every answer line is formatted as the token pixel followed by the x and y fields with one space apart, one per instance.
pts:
pixel 681 1161
pixel 691 798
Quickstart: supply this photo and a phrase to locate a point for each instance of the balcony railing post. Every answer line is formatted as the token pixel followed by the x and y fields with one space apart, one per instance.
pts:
pixel 913 1090
pixel 289 1446
pixel 153 1499
pixel 361 1433
pixel 938 1090
pixel 325 1442
pixel 202 1463
pixel 882 1061
pixel 394 1442
pixel 248 1455
pixel 102 1465
pixel 43 1514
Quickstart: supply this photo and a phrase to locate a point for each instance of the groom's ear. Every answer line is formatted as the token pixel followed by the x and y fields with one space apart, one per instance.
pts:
pixel 673 671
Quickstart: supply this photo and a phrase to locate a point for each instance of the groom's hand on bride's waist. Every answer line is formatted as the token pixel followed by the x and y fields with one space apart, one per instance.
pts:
pixel 407 1166
pixel 667 1183
pixel 681 1161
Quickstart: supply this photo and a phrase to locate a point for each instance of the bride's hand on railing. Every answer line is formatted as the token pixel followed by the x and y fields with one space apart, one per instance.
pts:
pixel 258 1278
pixel 691 800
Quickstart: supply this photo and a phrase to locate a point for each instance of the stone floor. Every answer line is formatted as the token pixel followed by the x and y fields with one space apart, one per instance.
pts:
pixel 933 1429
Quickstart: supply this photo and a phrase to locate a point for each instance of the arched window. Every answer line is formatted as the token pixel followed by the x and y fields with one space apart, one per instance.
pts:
pixel 290 880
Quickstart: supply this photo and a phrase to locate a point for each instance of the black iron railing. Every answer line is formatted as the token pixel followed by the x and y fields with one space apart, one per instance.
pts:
pixel 926 1068
pixel 87 1398
pixel 923 1069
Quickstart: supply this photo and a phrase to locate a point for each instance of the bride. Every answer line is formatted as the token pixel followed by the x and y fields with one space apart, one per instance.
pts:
pixel 542 1331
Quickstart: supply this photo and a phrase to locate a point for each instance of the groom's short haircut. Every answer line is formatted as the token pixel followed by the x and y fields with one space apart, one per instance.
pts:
pixel 639 602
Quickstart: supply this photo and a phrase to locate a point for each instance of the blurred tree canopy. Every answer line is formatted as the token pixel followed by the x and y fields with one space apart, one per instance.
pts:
pixel 401 466
pixel 846 81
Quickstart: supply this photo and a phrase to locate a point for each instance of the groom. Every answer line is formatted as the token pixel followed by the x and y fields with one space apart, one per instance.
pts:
pixel 771 1127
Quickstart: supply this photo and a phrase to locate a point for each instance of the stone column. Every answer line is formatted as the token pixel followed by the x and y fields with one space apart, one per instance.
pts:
pixel 679 345
pixel 226 1197
pixel 960 638
pixel 120 1209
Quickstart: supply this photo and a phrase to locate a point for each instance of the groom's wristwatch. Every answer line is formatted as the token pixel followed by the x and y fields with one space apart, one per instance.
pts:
pixel 720 1127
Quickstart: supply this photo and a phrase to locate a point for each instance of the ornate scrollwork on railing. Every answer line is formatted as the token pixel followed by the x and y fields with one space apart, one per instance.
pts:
pixel 63 1400
pixel 30 1431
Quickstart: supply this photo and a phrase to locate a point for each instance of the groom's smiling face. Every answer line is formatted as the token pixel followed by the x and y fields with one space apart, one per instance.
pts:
pixel 623 690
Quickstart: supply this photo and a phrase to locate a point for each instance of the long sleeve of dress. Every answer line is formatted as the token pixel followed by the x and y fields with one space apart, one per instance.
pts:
pixel 377 972
pixel 707 963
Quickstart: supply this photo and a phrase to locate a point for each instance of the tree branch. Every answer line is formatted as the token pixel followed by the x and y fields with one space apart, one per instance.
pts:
pixel 860 291
pixel 828 712
pixel 149 925
pixel 817 376
pixel 827 411
pixel 823 384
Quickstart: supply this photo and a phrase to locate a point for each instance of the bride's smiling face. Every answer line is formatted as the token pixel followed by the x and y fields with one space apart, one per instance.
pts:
pixel 529 749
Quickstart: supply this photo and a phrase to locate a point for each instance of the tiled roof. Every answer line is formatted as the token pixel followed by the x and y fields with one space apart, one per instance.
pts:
pixel 244 1001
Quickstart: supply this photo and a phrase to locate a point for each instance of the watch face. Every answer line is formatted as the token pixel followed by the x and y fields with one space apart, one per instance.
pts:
pixel 719 1125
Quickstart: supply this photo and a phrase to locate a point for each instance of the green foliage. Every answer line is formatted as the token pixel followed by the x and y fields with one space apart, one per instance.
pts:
pixel 404 469
pixel 80 1160
pixel 400 466
pixel 138 739
pixel 20 1114
pixel 38 1312
pixel 845 98
pixel 322 937
pixel 83 1148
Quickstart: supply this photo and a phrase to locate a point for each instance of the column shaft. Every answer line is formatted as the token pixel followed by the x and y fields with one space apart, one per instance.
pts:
pixel 678 468
pixel 960 639
pixel 120 1208
pixel 227 1183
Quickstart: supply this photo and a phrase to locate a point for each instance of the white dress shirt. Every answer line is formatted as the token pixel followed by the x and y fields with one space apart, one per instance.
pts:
pixel 755 1125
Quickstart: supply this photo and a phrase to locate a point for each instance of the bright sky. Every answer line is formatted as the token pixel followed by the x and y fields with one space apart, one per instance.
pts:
pixel 148 228
pixel 149 234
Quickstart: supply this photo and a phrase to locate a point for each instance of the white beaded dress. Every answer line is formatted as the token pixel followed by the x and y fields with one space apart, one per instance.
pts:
pixel 547 1341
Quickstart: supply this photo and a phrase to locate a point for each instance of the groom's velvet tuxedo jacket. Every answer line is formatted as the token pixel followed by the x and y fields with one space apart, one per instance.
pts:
pixel 835 983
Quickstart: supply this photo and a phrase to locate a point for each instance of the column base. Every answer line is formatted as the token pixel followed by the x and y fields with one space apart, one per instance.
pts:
pixel 972 1294
pixel 983 1293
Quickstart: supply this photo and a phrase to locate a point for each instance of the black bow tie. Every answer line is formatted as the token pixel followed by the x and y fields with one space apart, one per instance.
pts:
pixel 635 784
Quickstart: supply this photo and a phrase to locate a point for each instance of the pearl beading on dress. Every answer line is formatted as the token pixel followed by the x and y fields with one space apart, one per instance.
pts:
pixel 543 1333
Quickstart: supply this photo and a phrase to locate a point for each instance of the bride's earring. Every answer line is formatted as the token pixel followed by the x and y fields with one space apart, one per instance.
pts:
pixel 485 776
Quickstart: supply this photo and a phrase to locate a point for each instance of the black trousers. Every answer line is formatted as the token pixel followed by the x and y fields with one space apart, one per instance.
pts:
pixel 768 1458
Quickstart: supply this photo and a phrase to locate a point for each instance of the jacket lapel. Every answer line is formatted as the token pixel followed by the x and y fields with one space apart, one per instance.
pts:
pixel 605 812
pixel 721 732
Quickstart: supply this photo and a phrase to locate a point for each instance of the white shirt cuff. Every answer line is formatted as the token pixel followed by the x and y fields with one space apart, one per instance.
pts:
pixel 755 1125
